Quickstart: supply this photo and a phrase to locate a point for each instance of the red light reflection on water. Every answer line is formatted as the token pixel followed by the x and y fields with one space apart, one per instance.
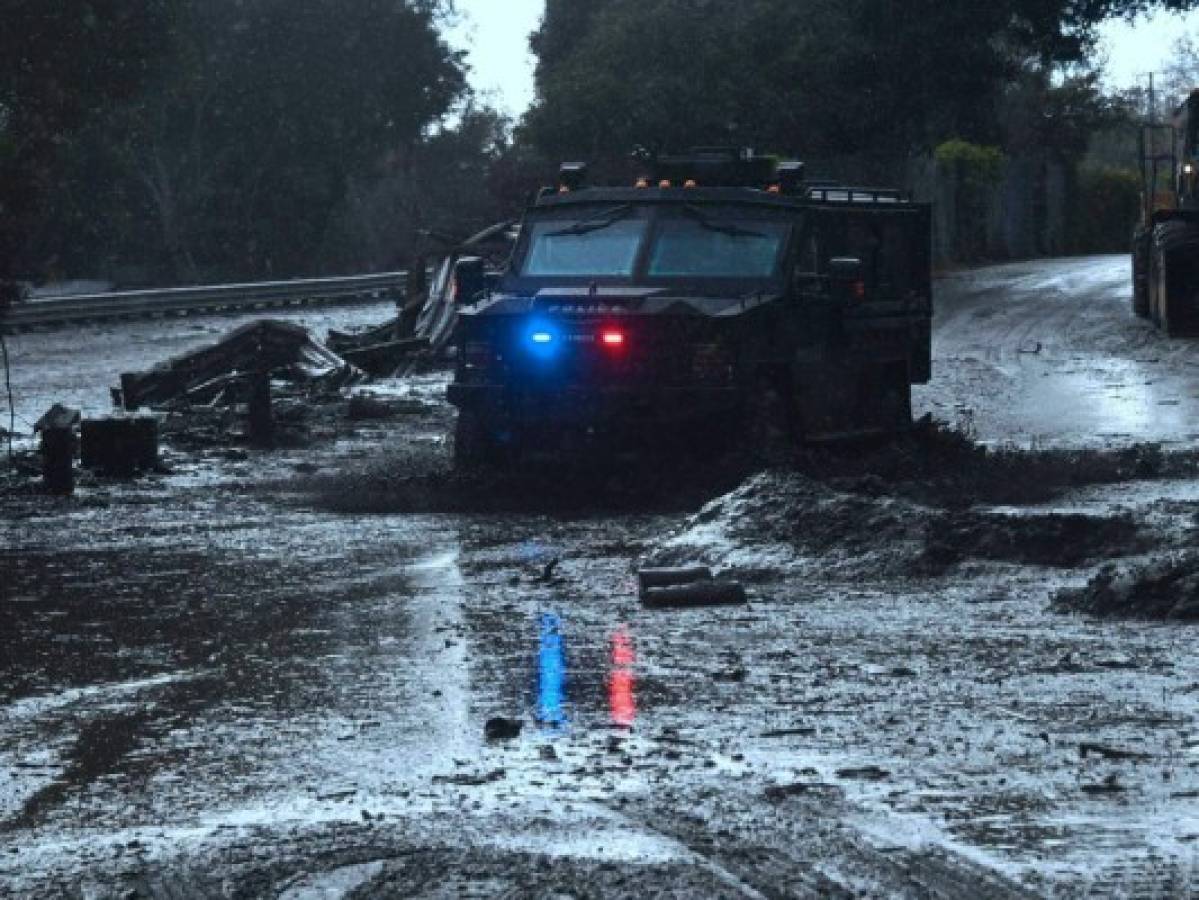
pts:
pixel 621 681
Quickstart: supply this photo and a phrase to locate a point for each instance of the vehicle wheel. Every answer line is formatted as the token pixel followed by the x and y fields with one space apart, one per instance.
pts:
pixel 1167 317
pixel 473 446
pixel 769 430
pixel 1142 249
pixel 896 400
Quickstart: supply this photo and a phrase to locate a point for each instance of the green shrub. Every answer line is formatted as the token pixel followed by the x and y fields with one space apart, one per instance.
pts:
pixel 1106 209
pixel 975 170
pixel 973 163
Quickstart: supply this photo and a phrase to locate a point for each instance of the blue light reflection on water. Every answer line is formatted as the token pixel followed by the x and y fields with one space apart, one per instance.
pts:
pixel 551 674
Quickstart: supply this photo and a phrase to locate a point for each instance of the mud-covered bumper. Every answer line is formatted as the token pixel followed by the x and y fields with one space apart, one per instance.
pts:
pixel 587 406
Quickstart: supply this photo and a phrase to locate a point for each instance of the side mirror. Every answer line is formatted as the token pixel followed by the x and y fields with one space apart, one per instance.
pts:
pixel 470 279
pixel 845 268
pixel 845 273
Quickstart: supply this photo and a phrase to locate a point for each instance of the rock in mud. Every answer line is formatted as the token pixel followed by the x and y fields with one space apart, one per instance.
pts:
pixel 1164 589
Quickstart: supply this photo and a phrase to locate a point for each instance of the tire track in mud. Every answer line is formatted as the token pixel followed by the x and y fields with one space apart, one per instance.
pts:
pixel 100 745
pixel 94 740
pixel 810 851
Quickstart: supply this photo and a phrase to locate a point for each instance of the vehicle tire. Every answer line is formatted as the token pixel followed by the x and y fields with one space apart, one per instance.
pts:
pixel 896 400
pixel 473 445
pixel 1142 249
pixel 769 426
pixel 1151 289
pixel 1176 260
pixel 1163 300
pixel 1167 317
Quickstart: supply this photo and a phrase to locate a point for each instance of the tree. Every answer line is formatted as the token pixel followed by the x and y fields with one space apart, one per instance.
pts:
pixel 61 65
pixel 1182 71
pixel 443 184
pixel 813 76
pixel 246 148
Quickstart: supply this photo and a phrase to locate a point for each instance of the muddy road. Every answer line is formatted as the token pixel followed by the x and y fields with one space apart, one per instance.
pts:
pixel 271 674
pixel 1049 352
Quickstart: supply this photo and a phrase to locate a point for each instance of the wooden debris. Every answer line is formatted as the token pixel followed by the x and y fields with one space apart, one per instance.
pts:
pixel 665 577
pixel 281 349
pixel 698 593
pixel 119 446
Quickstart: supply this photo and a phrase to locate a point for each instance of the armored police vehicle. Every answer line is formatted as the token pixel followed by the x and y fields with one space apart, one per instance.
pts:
pixel 721 298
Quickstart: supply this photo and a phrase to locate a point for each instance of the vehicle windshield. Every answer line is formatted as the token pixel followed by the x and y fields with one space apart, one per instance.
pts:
pixel 604 245
pixel 716 248
pixel 687 242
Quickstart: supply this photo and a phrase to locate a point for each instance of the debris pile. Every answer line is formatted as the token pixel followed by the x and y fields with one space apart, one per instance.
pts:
pixel 1166 588
pixel 380 350
pixel 220 373
pixel 426 321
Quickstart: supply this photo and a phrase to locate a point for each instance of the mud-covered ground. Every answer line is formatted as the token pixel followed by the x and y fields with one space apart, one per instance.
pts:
pixel 962 672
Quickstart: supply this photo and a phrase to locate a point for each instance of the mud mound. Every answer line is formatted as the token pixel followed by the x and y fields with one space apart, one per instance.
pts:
pixel 1164 589
pixel 783 519
pixel 776 516
pixel 1042 540
pixel 935 465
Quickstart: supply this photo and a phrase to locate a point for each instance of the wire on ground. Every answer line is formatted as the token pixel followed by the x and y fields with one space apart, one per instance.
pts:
pixel 12 406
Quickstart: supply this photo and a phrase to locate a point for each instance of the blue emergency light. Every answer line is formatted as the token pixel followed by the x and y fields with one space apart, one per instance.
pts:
pixel 541 339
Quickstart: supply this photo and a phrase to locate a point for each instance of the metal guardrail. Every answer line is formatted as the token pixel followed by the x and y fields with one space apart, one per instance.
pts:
pixel 216 298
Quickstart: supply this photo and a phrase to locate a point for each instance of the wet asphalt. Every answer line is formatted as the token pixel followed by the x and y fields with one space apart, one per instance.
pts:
pixel 225 682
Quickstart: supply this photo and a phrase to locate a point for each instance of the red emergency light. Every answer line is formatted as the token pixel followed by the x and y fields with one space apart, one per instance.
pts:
pixel 612 337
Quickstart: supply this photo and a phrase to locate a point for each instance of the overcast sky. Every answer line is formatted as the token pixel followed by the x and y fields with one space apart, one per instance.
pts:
pixel 496 34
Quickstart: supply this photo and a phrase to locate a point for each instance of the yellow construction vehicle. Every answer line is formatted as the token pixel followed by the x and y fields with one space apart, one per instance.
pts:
pixel 1166 243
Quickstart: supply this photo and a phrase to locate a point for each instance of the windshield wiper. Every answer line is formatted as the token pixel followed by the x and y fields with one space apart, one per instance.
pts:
pixel 721 227
pixel 602 219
